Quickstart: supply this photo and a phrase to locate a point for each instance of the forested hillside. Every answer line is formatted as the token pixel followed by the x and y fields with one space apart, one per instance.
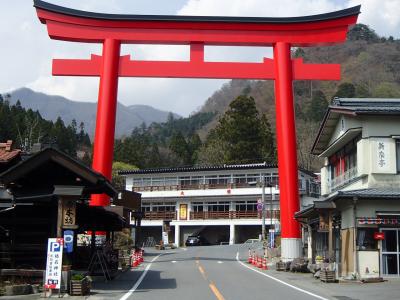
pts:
pixel 370 68
pixel 26 127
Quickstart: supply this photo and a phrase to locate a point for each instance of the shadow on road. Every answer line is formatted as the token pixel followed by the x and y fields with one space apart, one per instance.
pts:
pixel 127 280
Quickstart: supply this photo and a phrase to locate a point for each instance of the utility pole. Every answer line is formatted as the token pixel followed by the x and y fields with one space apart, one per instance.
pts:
pixel 263 207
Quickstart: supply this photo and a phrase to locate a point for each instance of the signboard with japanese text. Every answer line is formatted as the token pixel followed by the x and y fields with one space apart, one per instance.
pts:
pixel 382 154
pixel 69 212
pixel 183 212
pixel 54 263
pixel 323 225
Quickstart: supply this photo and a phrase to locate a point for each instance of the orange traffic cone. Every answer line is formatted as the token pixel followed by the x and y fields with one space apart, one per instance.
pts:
pixel 250 259
pixel 135 262
pixel 264 264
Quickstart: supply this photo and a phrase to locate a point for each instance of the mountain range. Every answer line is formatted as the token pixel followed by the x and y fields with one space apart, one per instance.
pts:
pixel 51 107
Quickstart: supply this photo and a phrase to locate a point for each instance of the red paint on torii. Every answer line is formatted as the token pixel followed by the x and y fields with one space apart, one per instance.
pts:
pixel 197 32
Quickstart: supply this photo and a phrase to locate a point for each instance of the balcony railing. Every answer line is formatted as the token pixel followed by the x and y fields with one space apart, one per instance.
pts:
pixel 342 179
pixel 203 215
pixel 195 187
pixel 159 215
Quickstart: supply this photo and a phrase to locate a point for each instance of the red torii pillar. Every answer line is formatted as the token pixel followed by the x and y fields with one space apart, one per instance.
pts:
pixel 280 33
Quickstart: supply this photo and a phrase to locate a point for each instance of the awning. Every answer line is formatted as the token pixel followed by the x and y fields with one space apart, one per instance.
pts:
pixel 341 141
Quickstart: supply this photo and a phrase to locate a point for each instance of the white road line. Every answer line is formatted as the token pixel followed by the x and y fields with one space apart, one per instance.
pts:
pixel 139 281
pixel 174 261
pixel 278 280
pixel 220 262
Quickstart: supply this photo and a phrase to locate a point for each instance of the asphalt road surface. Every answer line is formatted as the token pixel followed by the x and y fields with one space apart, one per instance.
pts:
pixel 199 273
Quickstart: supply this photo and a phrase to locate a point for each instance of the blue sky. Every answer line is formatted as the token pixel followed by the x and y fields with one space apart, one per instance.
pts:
pixel 26 50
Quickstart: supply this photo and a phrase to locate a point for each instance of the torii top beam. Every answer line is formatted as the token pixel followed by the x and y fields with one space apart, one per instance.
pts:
pixel 197 31
pixel 81 26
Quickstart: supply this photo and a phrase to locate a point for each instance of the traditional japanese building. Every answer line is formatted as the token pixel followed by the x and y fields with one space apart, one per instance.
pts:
pixel 357 223
pixel 219 202
pixel 47 194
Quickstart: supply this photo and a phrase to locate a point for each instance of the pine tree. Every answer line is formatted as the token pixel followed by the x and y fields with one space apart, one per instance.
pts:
pixel 246 137
pixel 317 107
pixel 345 90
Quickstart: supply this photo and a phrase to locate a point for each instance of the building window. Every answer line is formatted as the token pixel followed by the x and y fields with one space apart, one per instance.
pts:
pixel 211 179
pixel 246 205
pixel 184 180
pixel 365 239
pixel 163 206
pixel 224 179
pixel 146 207
pixel 239 178
pixel 218 206
pixel 253 178
pixel 170 181
pixel 398 155
pixel 198 206
pixel 194 180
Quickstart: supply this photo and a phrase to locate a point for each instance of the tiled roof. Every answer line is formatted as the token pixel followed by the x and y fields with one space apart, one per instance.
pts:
pixel 7 153
pixel 201 168
pixel 371 193
pixel 353 106
pixel 209 168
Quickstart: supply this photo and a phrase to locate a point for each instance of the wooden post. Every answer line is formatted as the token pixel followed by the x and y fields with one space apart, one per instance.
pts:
pixel 59 216
pixel 330 235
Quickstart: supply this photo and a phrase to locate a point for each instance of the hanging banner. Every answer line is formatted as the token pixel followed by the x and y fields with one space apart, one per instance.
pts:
pixel 54 263
pixel 183 212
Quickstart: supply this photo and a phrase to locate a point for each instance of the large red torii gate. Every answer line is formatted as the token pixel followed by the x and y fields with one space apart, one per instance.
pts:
pixel 112 30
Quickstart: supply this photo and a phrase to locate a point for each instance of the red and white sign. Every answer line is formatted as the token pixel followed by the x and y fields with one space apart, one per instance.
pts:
pixel 54 262
pixel 379 235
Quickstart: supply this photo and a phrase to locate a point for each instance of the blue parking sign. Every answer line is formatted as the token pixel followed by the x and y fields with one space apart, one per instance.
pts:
pixel 69 241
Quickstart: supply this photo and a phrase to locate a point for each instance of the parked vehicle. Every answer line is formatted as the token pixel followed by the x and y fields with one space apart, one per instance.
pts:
pixel 196 240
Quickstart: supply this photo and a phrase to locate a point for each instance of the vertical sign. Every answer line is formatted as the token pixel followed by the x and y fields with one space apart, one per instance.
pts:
pixel 272 238
pixel 69 241
pixel 183 212
pixel 54 262
pixel 382 154
pixel 69 212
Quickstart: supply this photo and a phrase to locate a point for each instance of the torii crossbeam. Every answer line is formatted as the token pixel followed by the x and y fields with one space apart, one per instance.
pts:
pixel 197 31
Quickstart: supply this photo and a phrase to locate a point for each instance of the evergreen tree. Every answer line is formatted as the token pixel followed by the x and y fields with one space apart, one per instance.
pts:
pixel 180 148
pixel 362 32
pixel 246 137
pixel 317 107
pixel 346 90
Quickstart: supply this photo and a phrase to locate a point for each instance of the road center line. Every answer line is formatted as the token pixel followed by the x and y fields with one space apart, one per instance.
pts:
pixel 139 281
pixel 211 284
pixel 216 291
pixel 278 280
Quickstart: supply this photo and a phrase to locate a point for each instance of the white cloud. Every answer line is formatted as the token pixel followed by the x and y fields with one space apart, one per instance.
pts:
pixel 382 16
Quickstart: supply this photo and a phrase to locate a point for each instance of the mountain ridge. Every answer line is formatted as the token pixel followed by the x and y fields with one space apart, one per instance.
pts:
pixel 51 107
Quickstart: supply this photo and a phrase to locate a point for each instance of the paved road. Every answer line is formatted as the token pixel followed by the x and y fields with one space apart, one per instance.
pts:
pixel 214 273
pixel 199 273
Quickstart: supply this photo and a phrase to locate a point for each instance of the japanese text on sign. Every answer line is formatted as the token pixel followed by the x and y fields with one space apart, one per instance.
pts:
pixel 54 262
pixel 382 155
pixel 69 212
